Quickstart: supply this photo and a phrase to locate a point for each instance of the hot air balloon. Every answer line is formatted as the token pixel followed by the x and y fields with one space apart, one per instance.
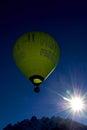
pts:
pixel 36 54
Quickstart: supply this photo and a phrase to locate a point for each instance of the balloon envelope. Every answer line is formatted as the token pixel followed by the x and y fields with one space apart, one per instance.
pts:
pixel 36 54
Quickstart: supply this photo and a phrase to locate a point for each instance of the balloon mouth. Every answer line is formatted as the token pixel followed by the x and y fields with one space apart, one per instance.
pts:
pixel 36 79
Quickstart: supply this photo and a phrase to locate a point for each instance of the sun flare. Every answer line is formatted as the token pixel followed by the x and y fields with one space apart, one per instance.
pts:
pixel 76 104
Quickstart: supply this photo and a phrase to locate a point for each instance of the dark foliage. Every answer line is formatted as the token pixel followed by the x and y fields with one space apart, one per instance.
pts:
pixel 45 123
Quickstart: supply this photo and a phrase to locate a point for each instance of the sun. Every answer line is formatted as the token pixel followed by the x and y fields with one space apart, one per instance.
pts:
pixel 77 104
pixel 72 104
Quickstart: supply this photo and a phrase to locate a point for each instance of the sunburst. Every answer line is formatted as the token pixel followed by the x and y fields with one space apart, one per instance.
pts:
pixel 75 104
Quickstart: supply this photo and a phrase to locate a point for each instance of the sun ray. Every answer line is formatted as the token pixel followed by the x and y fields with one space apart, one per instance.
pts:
pixel 73 103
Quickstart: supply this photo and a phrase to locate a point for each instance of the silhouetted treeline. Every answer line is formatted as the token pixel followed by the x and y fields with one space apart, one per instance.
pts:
pixel 45 123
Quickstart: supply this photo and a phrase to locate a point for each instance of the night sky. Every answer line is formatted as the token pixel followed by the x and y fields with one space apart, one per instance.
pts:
pixel 67 23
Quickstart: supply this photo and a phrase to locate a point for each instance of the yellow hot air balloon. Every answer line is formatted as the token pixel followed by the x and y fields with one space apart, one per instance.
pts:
pixel 36 54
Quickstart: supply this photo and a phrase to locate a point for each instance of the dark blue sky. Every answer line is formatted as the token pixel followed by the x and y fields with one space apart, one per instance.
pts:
pixel 67 23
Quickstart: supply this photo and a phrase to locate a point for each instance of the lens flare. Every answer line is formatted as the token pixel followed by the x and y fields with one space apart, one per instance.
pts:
pixel 73 104
pixel 77 104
